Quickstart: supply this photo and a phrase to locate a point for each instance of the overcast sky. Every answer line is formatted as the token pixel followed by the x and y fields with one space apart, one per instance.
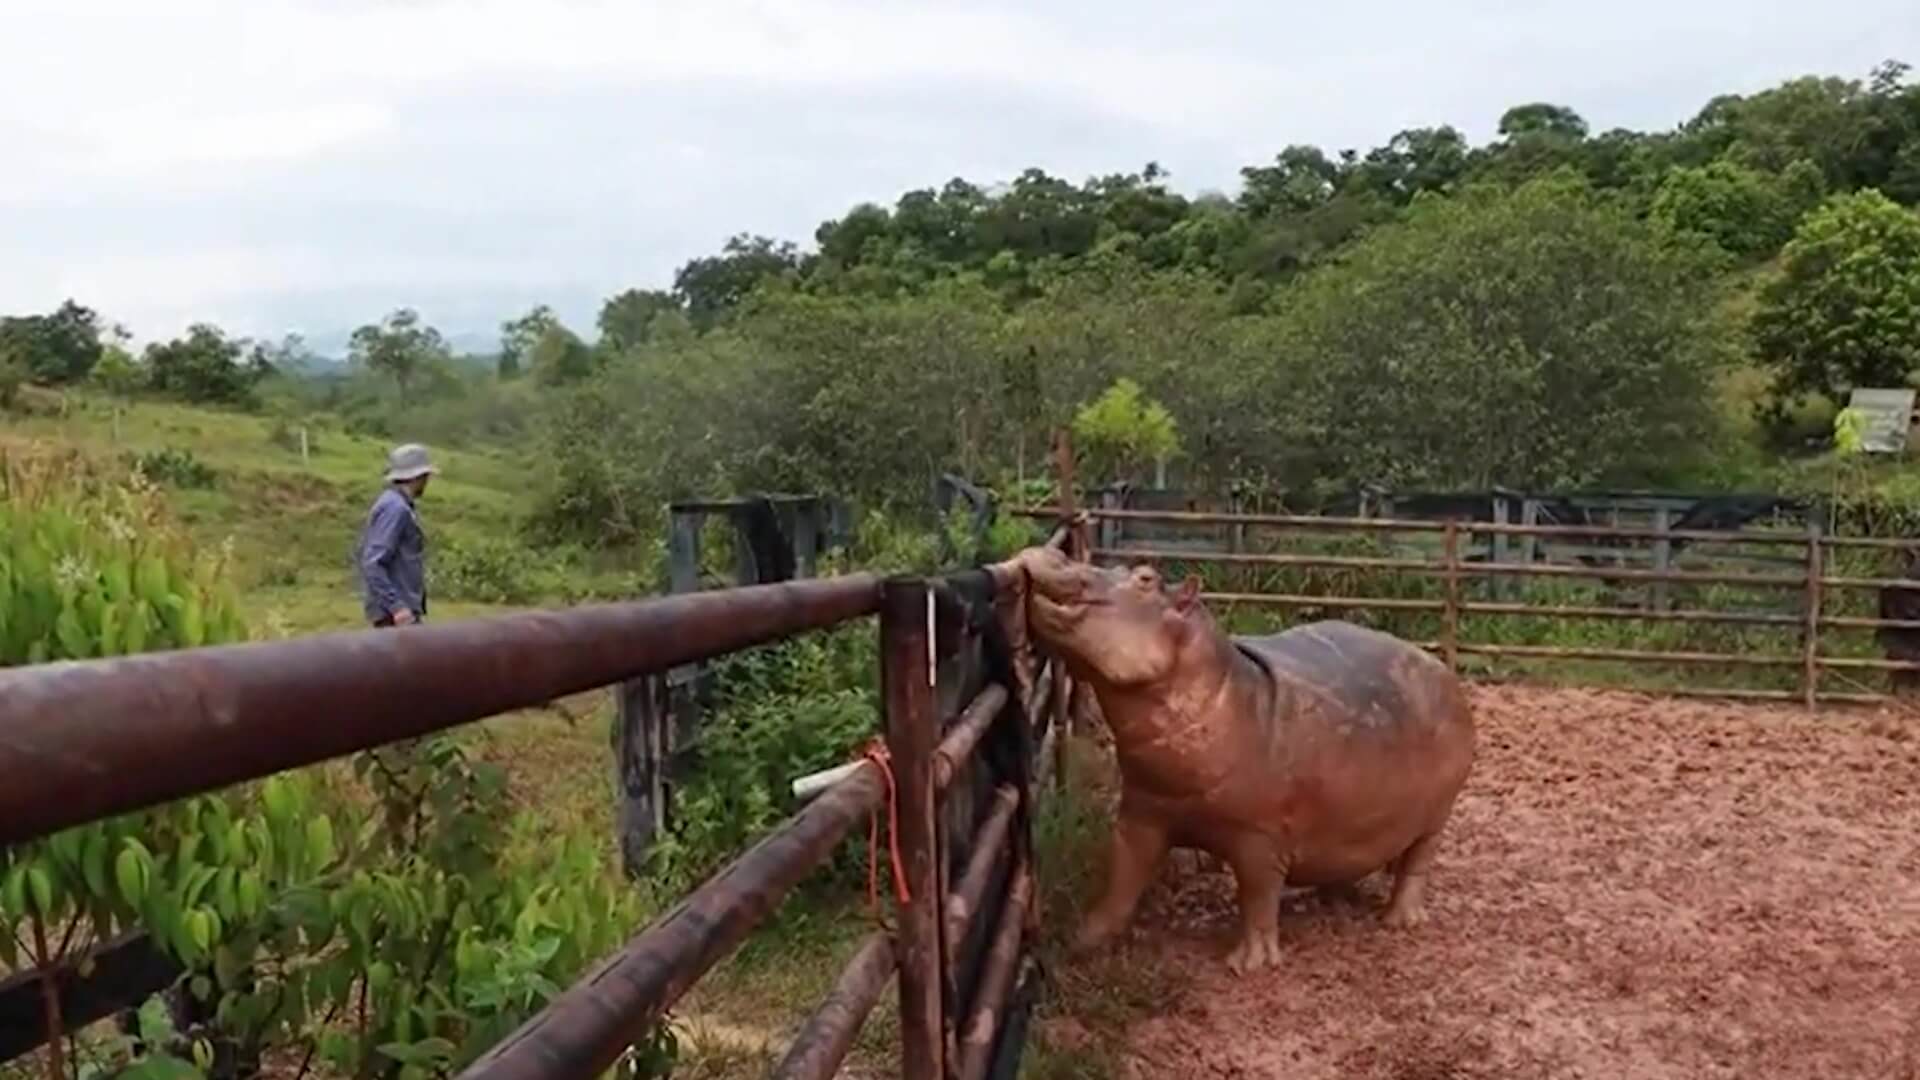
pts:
pixel 276 165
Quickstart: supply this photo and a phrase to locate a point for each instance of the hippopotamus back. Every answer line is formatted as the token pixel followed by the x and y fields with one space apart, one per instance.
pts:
pixel 1374 680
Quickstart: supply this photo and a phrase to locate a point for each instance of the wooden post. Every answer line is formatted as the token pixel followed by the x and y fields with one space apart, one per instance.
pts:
pixel 907 659
pixel 1450 611
pixel 306 459
pixel 639 764
pixel 1662 555
pixel 1502 585
pixel 1068 502
pixel 1810 631
pixel 1529 544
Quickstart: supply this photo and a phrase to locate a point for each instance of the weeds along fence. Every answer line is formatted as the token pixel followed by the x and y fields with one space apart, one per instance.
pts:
pixel 970 729
pixel 1763 614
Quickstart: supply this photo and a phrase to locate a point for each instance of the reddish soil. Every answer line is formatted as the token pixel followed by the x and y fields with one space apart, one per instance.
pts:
pixel 1630 888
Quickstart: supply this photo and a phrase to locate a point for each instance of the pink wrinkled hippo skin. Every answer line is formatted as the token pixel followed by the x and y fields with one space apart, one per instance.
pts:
pixel 1310 757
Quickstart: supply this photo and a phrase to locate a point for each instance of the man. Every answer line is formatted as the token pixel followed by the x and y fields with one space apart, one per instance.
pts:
pixel 392 552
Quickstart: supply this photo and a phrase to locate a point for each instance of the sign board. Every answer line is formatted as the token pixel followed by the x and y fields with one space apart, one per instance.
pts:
pixel 1887 415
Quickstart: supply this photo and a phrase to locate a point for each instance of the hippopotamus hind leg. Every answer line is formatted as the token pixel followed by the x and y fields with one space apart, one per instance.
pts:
pixel 1139 843
pixel 1407 907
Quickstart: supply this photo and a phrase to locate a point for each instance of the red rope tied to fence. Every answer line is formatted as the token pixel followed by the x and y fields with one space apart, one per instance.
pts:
pixel 876 752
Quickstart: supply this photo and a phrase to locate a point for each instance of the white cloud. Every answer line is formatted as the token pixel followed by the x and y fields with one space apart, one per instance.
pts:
pixel 260 161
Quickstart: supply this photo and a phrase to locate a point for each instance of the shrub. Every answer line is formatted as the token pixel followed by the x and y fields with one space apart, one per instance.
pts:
pixel 490 570
pixel 175 468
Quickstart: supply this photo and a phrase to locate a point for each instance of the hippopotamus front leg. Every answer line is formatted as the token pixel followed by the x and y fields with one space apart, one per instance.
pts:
pixel 1139 843
pixel 1261 874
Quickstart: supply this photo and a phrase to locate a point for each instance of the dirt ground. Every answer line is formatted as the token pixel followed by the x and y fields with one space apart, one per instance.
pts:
pixel 1630 888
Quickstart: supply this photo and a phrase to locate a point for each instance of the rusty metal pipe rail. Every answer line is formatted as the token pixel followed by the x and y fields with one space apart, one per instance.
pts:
pixel 964 735
pixel 89 740
pixel 584 1030
pixel 827 1035
pixel 1308 522
pixel 1430 568
pixel 996 978
pixel 1630 655
pixel 1410 525
pixel 989 842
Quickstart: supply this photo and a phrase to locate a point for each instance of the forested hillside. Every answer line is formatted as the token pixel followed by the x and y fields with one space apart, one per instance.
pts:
pixel 1556 307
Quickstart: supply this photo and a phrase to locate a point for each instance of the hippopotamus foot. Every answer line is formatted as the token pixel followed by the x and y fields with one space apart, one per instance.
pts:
pixel 1407 908
pixel 1138 846
pixel 1257 950
pixel 1261 876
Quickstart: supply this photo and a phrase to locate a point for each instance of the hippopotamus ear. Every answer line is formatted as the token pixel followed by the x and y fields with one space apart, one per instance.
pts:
pixel 1189 592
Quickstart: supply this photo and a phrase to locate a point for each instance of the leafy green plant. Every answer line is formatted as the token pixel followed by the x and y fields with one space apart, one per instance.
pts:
pixel 1122 431
pixel 491 570
pixel 805 704
pixel 175 468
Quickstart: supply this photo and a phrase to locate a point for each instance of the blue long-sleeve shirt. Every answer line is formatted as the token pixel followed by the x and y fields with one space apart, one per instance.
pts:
pixel 392 558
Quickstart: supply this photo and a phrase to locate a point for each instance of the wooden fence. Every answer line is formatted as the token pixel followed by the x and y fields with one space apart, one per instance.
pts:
pixel 1471 566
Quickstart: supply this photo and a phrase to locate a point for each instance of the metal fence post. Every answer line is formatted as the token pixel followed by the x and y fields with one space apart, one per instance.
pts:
pixel 1450 612
pixel 1810 632
pixel 907 673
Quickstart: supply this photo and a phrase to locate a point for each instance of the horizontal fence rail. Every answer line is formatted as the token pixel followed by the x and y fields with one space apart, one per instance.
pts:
pixel 89 740
pixel 1817 586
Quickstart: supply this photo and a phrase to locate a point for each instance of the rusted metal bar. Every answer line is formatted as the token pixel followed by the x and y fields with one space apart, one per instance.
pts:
pixel 1042 699
pixel 828 1033
pixel 1431 568
pixel 965 734
pixel 1898 584
pixel 1826 697
pixel 988 843
pixel 1868 663
pixel 584 1030
pixel 1450 616
pixel 1046 764
pixel 123 971
pixel 1632 655
pixel 996 979
pixel 1298 600
pixel 1867 622
pixel 1754 618
pixel 907 673
pixel 1810 630
pixel 89 740
pixel 1352 524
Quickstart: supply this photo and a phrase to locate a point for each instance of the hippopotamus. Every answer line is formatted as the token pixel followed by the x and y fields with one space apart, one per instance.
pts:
pixel 1310 757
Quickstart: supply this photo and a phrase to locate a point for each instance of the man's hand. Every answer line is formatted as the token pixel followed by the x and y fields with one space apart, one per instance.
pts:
pixel 403 617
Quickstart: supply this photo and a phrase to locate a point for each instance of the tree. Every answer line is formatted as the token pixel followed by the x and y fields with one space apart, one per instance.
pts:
pixel 56 348
pixel 1748 214
pixel 559 356
pixel 1299 179
pixel 1542 119
pixel 712 286
pixel 518 336
pixel 632 318
pixel 204 366
pixel 1844 310
pixel 1542 337
pixel 1123 431
pixel 400 347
